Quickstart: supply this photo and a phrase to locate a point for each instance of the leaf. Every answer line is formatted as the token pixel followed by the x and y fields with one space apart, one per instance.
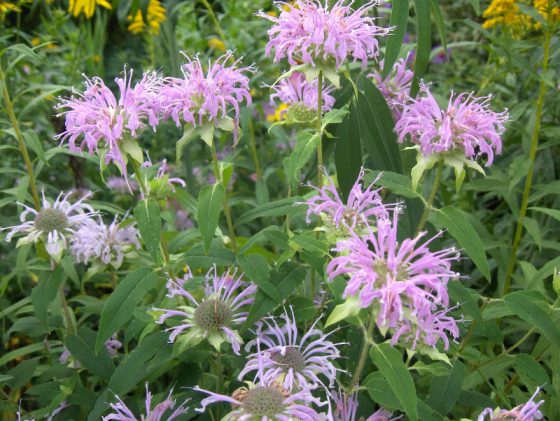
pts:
pixel 398 183
pixel 389 362
pixel 81 346
pixel 286 279
pixel 348 309
pixel 122 302
pixel 149 224
pixel 467 237
pixel 476 6
pixel 377 128
pixel 280 207
pixel 533 307
pixel 45 292
pixel 399 20
pixel 310 244
pixel 257 270
pixel 423 44
pixel 445 390
pixel 210 204
pixel 554 213
pixel 304 150
pixel 217 255
pixel 438 18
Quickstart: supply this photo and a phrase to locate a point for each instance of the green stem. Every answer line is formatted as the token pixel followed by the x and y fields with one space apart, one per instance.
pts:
pixel 69 323
pixel 21 143
pixel 431 198
pixel 532 157
pixel 320 129
pixel 214 20
pixel 364 352
pixel 253 143
pixel 227 213
pixel 140 179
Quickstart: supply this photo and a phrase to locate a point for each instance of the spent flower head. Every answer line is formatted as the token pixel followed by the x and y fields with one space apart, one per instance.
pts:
pixel 306 31
pixel 294 360
pixel 98 121
pixel 528 411
pixel 215 317
pixel 405 280
pixel 53 224
pixel 157 413
pixel 107 244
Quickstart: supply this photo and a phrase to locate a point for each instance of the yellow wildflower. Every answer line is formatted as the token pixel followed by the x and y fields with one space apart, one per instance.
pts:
pixel 155 15
pixel 551 16
pixel 217 44
pixel 278 113
pixel 35 41
pixel 87 7
pixel 6 7
pixel 506 13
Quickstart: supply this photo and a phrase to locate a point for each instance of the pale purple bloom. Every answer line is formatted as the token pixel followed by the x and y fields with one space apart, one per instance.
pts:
pixel 528 411
pixel 382 414
pixel 183 220
pixel 297 361
pixel 53 224
pixel 405 279
pixel 199 98
pixel 123 413
pixel 101 120
pixel 121 185
pixel 296 90
pixel 106 243
pixel 163 172
pixel 309 32
pixel 395 87
pixel 467 123
pixel 346 407
pixel 215 316
pixel 361 206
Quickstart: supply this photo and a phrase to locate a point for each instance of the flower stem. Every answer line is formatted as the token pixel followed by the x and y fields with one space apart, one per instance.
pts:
pixel 364 352
pixel 255 156
pixel 21 143
pixel 320 130
pixel 227 213
pixel 214 20
pixel 532 157
pixel 69 323
pixel 139 178
pixel 431 198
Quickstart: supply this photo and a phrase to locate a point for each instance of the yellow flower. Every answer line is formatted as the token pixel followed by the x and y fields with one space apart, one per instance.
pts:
pixel 6 7
pixel 506 13
pixel 278 113
pixel 551 16
pixel 87 7
pixel 217 44
pixel 35 41
pixel 155 15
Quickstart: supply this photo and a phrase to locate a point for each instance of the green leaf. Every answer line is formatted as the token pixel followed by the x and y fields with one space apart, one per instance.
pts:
pixel 257 270
pixel 45 292
pixel 398 183
pixel 278 208
pixel 438 19
pixel 310 244
pixel 554 213
pixel 445 390
pixel 389 362
pixel 304 308
pixel 348 309
pixel 476 6
pixel 399 20
pixel 467 237
pixel 286 279
pixel 304 150
pixel 423 44
pixel 533 307
pixel 81 346
pixel 149 224
pixel 210 204
pixel 122 302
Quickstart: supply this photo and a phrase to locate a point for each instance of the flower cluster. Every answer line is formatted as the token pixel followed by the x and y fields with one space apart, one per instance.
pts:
pixel 508 15
pixel 155 16
pixel 87 7
pixel 395 87
pixel 307 31
pixel 467 123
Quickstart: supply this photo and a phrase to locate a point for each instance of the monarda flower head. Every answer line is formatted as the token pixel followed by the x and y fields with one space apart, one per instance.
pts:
pixel 295 361
pixel 308 32
pixel 405 280
pixel 528 411
pixel 158 413
pixel 106 244
pixel 300 98
pixel 53 224
pixel 215 317
pixel 395 87
pixel 346 408
pixel 204 99
pixel 461 133
pixel 98 121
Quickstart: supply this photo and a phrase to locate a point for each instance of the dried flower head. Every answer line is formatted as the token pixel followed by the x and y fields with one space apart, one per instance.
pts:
pixel 53 224
pixel 215 317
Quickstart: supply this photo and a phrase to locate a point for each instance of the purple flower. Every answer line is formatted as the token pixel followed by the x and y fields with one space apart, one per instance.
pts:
pixel 53 224
pixel 123 413
pixel 106 243
pixel 199 98
pixel 121 185
pixel 213 318
pixel 467 123
pixel 163 173
pixel 295 90
pixel 284 356
pixel 308 32
pixel 395 87
pixel 360 207
pixel 405 279
pixel 346 407
pixel 101 120
pixel 529 411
